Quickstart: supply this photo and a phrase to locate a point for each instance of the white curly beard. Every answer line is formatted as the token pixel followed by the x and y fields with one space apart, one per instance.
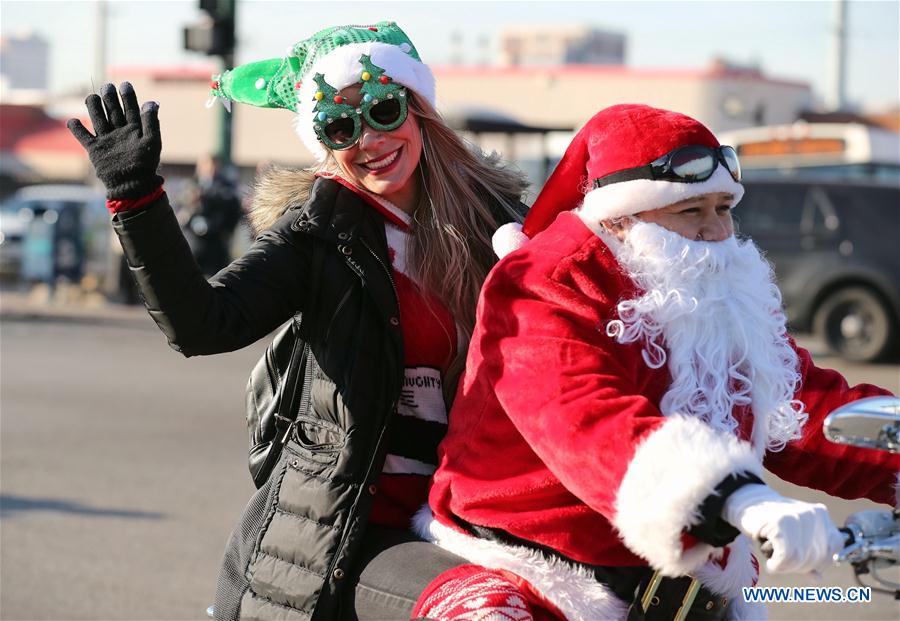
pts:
pixel 711 310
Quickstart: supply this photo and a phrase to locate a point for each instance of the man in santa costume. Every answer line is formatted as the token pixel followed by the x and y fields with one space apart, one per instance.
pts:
pixel 629 379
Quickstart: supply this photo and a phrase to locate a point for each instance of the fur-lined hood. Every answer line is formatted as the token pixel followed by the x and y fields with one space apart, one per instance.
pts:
pixel 276 190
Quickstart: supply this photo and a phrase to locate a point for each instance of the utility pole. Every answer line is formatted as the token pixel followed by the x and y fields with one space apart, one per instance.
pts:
pixel 226 118
pixel 837 96
pixel 214 35
pixel 100 44
pixel 456 47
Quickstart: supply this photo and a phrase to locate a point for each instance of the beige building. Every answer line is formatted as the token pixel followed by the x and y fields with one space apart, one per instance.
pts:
pixel 722 97
pixel 560 96
pixel 23 66
pixel 580 45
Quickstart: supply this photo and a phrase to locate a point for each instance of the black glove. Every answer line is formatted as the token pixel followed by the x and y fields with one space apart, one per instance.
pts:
pixel 125 151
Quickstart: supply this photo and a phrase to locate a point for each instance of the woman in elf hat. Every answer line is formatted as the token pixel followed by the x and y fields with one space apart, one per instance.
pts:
pixel 382 249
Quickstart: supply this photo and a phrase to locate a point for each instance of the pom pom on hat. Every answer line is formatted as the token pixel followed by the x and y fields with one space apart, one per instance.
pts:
pixel 615 139
pixel 507 238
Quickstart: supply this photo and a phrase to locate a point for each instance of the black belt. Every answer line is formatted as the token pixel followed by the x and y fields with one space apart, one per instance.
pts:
pixel 653 597
pixel 675 599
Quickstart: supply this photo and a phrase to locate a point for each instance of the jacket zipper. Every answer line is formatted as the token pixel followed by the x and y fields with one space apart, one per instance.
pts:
pixel 384 267
pixel 393 286
pixel 368 475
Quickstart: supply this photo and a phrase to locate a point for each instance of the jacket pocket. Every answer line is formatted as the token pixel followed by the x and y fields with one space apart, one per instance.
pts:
pixel 317 440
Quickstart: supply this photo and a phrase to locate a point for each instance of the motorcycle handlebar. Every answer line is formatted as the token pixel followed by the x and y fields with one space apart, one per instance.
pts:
pixel 766 549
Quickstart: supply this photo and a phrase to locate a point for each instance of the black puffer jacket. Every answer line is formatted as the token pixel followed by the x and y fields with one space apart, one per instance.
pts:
pixel 298 535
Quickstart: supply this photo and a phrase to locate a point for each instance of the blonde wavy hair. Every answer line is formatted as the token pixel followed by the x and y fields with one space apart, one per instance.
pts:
pixel 462 193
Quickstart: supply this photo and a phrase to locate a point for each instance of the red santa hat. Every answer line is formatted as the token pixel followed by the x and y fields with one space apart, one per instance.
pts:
pixel 615 139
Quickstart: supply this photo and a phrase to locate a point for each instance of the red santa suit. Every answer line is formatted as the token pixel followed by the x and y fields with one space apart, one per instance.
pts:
pixel 556 436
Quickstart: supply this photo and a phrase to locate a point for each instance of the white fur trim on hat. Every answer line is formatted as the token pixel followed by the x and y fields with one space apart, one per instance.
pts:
pixel 507 238
pixel 673 470
pixel 627 198
pixel 341 68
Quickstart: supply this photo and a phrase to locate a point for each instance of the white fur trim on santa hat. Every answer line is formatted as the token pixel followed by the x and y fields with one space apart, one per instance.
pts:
pixel 673 470
pixel 572 589
pixel 341 68
pixel 507 238
pixel 627 198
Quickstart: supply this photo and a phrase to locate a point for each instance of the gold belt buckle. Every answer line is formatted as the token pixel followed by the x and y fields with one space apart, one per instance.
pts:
pixel 686 603
pixel 655 579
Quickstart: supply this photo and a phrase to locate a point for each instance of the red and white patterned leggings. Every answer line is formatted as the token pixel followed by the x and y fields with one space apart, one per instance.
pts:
pixel 473 593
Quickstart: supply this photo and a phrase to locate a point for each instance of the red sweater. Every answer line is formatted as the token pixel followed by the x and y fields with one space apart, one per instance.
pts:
pixel 429 345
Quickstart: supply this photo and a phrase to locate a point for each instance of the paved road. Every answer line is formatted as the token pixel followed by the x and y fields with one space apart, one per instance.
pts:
pixel 882 607
pixel 123 471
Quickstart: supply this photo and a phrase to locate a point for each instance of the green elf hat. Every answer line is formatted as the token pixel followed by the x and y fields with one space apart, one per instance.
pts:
pixel 337 55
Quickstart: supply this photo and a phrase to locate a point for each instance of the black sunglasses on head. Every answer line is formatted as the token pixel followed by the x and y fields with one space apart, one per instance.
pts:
pixel 689 164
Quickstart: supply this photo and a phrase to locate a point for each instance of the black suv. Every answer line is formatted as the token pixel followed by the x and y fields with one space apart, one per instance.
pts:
pixel 835 247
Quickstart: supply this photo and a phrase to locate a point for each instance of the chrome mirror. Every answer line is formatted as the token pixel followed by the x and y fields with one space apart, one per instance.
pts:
pixel 872 423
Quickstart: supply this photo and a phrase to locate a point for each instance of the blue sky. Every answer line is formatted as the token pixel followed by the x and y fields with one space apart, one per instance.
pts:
pixel 789 40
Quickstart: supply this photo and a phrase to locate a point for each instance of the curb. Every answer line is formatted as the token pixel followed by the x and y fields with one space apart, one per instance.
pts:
pixel 17 307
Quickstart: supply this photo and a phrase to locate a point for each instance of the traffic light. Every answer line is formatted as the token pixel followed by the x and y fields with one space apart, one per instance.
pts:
pixel 214 34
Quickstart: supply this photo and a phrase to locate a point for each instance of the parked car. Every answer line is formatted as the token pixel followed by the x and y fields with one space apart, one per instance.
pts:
pixel 53 231
pixel 835 247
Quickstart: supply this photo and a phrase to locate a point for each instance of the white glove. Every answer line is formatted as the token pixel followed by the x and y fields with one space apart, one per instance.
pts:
pixel 802 535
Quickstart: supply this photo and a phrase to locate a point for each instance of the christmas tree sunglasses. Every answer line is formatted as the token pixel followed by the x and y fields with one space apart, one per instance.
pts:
pixel 338 124
pixel 689 164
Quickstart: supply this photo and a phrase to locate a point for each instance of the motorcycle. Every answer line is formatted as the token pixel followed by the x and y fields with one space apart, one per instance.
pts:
pixel 873 536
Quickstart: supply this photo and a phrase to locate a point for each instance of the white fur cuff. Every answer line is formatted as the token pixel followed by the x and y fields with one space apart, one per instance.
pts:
pixel 672 472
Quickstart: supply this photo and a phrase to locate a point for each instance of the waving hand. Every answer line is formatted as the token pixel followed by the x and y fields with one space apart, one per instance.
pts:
pixel 126 143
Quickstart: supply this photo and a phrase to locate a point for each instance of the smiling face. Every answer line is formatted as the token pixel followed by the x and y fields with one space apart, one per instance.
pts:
pixel 383 162
pixel 706 217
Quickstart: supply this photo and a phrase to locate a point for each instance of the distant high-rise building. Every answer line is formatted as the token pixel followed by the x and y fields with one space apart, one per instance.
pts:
pixel 23 63
pixel 576 45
